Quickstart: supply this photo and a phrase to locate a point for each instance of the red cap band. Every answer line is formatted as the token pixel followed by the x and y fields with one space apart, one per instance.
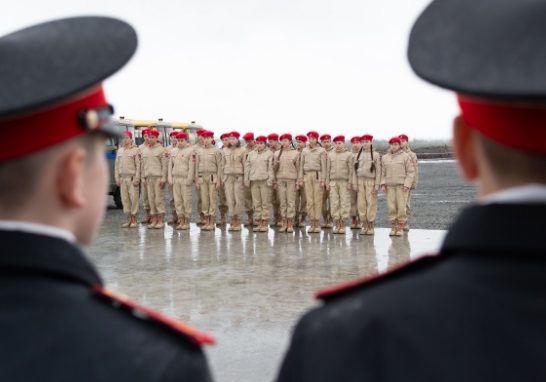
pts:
pixel 519 126
pixel 48 127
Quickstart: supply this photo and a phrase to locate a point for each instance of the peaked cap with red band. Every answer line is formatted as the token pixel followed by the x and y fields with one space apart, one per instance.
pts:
pixel 495 67
pixel 51 76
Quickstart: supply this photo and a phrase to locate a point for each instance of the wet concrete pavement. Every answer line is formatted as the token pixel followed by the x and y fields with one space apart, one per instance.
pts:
pixel 248 289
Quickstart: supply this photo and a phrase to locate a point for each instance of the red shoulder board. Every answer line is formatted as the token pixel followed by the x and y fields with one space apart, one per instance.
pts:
pixel 338 289
pixel 120 301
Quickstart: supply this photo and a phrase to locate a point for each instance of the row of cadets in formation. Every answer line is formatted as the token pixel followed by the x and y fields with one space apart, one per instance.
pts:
pixel 268 177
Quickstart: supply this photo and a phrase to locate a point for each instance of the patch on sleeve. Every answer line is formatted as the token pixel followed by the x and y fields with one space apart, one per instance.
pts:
pixel 122 302
pixel 335 290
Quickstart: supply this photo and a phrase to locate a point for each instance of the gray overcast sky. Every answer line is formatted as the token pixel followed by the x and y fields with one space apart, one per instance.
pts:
pixel 267 66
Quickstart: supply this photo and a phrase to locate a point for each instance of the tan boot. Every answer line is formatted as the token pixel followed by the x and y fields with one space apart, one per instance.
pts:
pixel 303 221
pixel 406 226
pixel 336 226
pixel 160 222
pixel 174 218
pixel 153 221
pixel 279 220
pixel 290 226
pixel 133 222
pixel 231 224
pixel 353 223
pixel 358 223
pixel 317 226
pixel 237 224
pixel 400 229
pixel 186 224
pixel 364 228
pixel 370 230
pixel 330 223
pixel 393 228
pixel 204 223
pixel 256 222
pixel 311 226
pixel 342 226
pixel 127 223
pixel 180 225
pixel 248 220
pixel 147 219
pixel 284 225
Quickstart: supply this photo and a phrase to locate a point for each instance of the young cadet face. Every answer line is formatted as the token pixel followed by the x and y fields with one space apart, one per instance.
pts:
pixel 174 141
pixel 152 140
pixel 146 137
pixel 366 144
pixel 260 145
pixel 403 143
pixel 182 142
pixel 395 146
pixel 326 144
pixel 207 141
pixel 340 145
pixel 127 140
pixel 273 143
pixel 286 143
pixel 357 145
pixel 233 141
pixel 313 141
pixel 301 144
pixel 225 142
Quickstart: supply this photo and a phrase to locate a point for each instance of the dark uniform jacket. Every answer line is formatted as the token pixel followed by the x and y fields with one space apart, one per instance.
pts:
pixel 476 312
pixel 56 323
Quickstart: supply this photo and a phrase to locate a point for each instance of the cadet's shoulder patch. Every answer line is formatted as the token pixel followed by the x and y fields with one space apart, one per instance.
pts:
pixel 340 289
pixel 123 303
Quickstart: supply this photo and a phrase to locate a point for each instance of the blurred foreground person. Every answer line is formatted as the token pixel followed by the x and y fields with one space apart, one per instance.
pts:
pixel 59 323
pixel 475 312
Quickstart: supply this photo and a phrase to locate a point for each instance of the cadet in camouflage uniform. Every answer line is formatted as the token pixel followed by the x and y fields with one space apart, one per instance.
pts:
pixel 259 177
pixel 339 182
pixel 396 179
pixel 285 168
pixel 168 150
pixel 233 164
pixel 326 141
pixel 301 201
pixel 154 164
pixel 145 202
pixel 222 200
pixel 404 145
pixel 181 169
pixel 208 175
pixel 250 146
pixel 353 211
pixel 312 175
pixel 274 147
pixel 367 179
pixel 127 174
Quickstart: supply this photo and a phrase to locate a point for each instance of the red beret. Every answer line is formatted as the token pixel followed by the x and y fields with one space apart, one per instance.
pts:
pixel 273 137
pixel 173 134
pixel 404 137
pixel 155 133
pixel 261 138
pixel 325 137
pixel 286 136
pixel 200 132
pixel 394 140
pixel 313 134
pixel 207 134
pixel 339 138
pixel 128 133
pixel 234 134
pixel 145 131
pixel 301 137
pixel 367 137
pixel 182 135
pixel 356 139
pixel 248 137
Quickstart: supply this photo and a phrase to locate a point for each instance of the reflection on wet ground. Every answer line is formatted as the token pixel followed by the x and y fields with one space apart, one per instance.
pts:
pixel 247 289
